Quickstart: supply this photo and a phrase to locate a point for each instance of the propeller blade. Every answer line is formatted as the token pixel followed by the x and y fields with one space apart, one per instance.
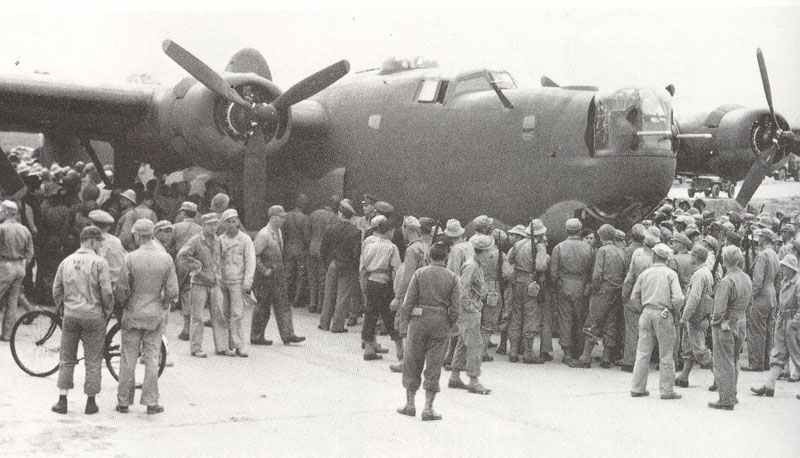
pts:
pixel 762 67
pixel 97 163
pixel 311 85
pixel 202 72
pixel 755 176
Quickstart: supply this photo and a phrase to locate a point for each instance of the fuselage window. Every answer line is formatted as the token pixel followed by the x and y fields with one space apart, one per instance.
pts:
pixel 429 91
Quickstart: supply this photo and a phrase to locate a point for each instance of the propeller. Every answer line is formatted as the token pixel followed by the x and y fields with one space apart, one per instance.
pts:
pixel 763 163
pixel 263 113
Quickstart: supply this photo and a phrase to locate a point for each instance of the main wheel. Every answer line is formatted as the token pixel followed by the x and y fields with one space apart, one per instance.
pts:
pixel 113 355
pixel 36 342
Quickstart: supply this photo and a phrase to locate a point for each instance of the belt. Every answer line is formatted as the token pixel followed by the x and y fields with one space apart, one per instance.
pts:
pixel 656 307
pixel 12 260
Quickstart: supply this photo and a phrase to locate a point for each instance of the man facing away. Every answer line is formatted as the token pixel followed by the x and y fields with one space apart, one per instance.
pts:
pixel 147 287
pixel 82 285
pixel 16 250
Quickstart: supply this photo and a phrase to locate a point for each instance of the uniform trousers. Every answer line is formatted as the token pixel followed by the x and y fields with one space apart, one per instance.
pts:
pixel 727 345
pixel 346 295
pixel 296 277
pixel 526 314
pixel 379 296
pixel 787 342
pixel 653 327
pixel 271 295
pixel 91 333
pixel 631 316
pixel 424 349
pixel 232 315
pixel 757 318
pixel 149 341
pixel 201 296
pixel 693 345
pixel 316 282
pixel 11 275
pixel 469 348
pixel 546 304
pixel 601 321
pixel 572 311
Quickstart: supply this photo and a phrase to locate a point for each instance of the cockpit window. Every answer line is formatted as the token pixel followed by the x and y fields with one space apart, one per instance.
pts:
pixel 503 80
pixel 474 84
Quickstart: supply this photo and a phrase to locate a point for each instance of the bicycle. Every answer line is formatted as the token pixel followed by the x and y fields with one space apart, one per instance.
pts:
pixel 36 345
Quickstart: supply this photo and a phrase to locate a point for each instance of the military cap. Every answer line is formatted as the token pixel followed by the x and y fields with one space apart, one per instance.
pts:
pixel 654 231
pixel 9 205
pixel 638 230
pixel 368 199
pixel 733 238
pixel 143 226
pixel 91 233
pixel 662 251
pixel 426 224
pixel 712 242
pixel 411 222
pixel 129 194
pixel 346 205
pixel 650 240
pixel 691 231
pixel 384 207
pixel 162 225
pixel 766 234
pixel 229 213
pixel 682 239
pixel 700 252
pixel 101 217
pixel 666 209
pixel 788 228
pixel 619 235
pixel 573 226
pixel 188 207
pixel 606 232
pixel 520 230
pixel 729 227
pixel 209 218
pixel 481 241
pixel 453 228
pixel 378 220
pixel 220 202
pixel 538 227
pixel 276 210
pixel 482 223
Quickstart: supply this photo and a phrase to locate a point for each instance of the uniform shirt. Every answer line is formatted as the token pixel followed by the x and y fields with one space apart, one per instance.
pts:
pixel 126 221
pixel 268 249
pixel 238 259
pixel 699 300
pixel 432 286
pixel 416 258
pixel 183 231
pixel 202 257
pixel 658 286
pixel 571 265
pixel 83 285
pixel 640 260
pixel 113 252
pixel 296 234
pixel 474 287
pixel 147 287
pixel 379 260
pixel 790 294
pixel 459 254
pixel 732 296
pixel 320 221
pixel 683 265
pixel 16 242
pixel 609 268
pixel 764 272
pixel 629 250
pixel 342 243
pixel 520 257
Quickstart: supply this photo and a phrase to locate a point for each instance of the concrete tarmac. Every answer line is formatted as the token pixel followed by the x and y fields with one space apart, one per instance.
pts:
pixel 319 398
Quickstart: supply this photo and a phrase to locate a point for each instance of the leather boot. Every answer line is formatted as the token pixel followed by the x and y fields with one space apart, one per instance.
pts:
pixel 529 357
pixel 369 352
pixel 605 363
pixel 184 335
pixel 585 360
pixel 502 347
pixel 513 351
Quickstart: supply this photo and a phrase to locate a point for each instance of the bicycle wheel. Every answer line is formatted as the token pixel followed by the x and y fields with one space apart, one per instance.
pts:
pixel 36 342
pixel 113 355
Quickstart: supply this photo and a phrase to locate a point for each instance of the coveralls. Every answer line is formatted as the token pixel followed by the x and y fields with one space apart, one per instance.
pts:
pixel 319 221
pixel 297 234
pixel 641 260
pixel 201 256
pixel 270 285
pixel 734 292
pixel 238 264
pixel 571 270
pixel 764 296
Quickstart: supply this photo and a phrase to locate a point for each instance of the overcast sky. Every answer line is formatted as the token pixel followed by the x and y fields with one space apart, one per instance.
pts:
pixel 708 53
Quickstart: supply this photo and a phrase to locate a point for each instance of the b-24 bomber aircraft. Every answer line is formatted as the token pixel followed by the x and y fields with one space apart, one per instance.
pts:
pixel 446 146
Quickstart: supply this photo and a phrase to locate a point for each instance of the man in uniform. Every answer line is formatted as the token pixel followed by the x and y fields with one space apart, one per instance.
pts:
pixel 320 221
pixel 495 268
pixel 296 236
pixel 571 270
pixel 379 263
pixel 238 264
pixel 605 300
pixel 734 292
pixel 765 271
pixel 201 257
pixel 185 228
pixel 270 282
pixel 147 287
pixel 460 251
pixel 341 244
pixel 429 311
pixel 16 250
pixel 640 261
pixel 83 285
pixel 657 294
pixel 694 319
pixel 529 263
pixel 143 210
pixel 164 236
pixel 467 356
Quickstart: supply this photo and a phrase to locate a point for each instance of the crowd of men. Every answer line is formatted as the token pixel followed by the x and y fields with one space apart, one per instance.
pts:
pixel 439 291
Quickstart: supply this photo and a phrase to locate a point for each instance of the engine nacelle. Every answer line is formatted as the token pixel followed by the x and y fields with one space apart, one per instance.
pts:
pixel 203 128
pixel 738 136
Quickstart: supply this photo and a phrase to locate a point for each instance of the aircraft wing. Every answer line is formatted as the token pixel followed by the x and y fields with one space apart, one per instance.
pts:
pixel 37 104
